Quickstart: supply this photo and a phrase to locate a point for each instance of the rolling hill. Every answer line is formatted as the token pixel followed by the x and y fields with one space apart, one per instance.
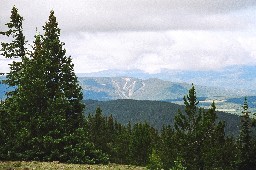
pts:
pixel 156 113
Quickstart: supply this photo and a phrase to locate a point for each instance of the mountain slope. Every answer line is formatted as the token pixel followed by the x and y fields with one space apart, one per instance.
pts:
pixel 111 88
pixel 156 113
pixel 233 77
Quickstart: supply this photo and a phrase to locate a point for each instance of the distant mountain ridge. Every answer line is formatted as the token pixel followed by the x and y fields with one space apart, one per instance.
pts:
pixel 111 88
pixel 232 77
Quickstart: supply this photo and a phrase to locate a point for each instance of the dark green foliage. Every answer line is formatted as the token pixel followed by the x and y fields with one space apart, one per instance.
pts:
pixel 121 144
pixel 178 165
pixel 109 136
pixel 141 144
pixel 78 149
pixel 15 120
pixel 16 48
pixel 214 150
pixel 156 113
pixel 98 132
pixel 197 134
pixel 124 144
pixel 167 147
pixel 247 159
pixel 45 111
pixel 6 130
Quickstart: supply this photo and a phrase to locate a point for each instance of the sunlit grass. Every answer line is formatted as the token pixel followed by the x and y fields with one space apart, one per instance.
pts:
pixel 22 165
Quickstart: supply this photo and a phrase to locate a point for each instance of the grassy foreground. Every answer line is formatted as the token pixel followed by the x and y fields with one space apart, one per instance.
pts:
pixel 22 165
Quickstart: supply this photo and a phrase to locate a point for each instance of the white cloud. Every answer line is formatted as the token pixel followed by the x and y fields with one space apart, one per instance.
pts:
pixel 133 15
pixel 149 35
pixel 155 51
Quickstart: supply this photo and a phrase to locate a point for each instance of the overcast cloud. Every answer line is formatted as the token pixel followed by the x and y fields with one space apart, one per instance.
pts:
pixel 150 35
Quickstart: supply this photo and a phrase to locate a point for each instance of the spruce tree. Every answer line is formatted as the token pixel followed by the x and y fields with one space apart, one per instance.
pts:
pixel 247 161
pixel 167 147
pixel 45 110
pixel 141 144
pixel 97 128
pixel 196 131
pixel 60 79
pixel 15 48
pixel 121 144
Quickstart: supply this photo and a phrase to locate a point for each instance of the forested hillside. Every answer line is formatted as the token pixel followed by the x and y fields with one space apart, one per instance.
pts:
pixel 156 113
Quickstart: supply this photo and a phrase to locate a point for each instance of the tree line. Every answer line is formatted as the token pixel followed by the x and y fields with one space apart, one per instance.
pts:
pixel 42 118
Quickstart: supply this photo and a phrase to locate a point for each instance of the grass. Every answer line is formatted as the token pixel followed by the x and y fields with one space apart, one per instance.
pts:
pixel 22 165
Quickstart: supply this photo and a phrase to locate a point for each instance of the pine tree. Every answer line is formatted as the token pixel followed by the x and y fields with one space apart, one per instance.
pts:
pixel 16 49
pixel 247 161
pixel 97 128
pixel 46 109
pixel 195 131
pixel 167 147
pixel 141 144
pixel 186 127
pixel 121 143
pixel 60 79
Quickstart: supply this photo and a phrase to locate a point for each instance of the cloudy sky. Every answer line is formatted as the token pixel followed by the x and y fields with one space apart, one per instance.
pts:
pixel 147 35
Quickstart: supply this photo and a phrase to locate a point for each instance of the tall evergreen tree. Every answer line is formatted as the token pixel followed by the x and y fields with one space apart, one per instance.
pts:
pixel 247 161
pixel 167 147
pixel 13 49
pixel 60 79
pixel 16 49
pixel 46 108
pixel 195 131
pixel 121 144
pixel 141 144
pixel 97 127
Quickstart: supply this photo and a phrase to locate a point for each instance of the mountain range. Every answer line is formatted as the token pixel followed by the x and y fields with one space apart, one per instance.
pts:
pixel 113 88
pixel 156 101
pixel 109 88
pixel 232 77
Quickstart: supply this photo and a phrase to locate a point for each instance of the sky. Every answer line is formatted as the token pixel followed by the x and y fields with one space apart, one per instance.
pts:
pixel 146 35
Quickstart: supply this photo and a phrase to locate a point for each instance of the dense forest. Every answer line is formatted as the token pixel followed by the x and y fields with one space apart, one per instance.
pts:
pixel 155 113
pixel 42 118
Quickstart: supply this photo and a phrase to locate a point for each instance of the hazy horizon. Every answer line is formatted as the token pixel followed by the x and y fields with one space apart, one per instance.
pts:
pixel 204 38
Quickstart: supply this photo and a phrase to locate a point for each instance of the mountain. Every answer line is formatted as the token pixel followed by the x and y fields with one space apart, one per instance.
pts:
pixel 232 77
pixel 135 100
pixel 156 113
pixel 110 88
pixel 113 88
